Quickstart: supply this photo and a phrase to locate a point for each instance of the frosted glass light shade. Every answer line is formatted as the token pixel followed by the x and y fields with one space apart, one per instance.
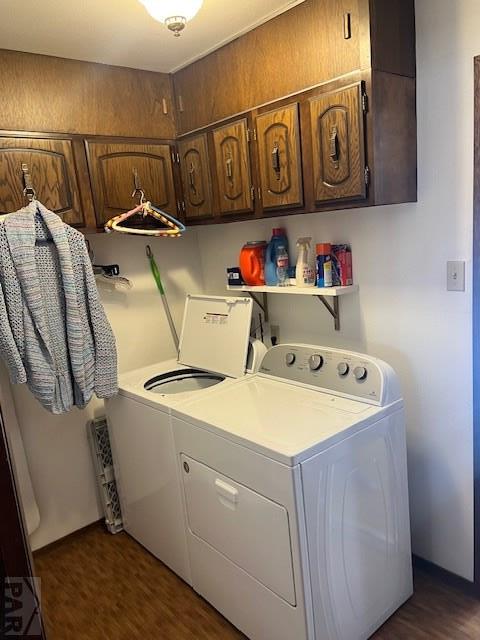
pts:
pixel 161 10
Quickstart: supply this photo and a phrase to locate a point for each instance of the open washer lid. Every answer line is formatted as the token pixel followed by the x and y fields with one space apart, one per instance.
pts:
pixel 215 334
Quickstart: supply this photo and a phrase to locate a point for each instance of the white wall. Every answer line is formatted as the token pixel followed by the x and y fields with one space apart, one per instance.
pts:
pixel 56 446
pixel 19 459
pixel 403 312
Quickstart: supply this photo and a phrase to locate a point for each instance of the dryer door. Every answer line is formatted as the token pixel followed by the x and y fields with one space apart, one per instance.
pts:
pixel 249 529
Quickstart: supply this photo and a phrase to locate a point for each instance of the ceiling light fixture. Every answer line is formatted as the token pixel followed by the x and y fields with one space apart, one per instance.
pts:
pixel 173 13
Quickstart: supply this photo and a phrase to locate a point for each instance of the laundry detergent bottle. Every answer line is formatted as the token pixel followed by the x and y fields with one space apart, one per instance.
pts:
pixel 279 239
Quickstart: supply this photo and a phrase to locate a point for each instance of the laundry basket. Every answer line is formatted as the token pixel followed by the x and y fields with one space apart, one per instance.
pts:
pixel 103 462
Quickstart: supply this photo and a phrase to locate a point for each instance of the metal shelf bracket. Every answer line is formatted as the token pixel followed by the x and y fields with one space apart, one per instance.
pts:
pixel 333 310
pixel 263 304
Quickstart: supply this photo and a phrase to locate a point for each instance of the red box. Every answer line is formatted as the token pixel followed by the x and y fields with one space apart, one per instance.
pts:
pixel 343 258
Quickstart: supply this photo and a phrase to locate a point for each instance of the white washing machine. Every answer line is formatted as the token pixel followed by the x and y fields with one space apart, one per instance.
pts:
pixel 213 351
pixel 295 487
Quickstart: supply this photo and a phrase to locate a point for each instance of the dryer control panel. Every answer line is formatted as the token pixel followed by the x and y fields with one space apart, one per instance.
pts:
pixel 334 370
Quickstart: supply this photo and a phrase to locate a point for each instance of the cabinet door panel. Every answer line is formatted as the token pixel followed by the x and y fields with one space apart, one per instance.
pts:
pixel 298 49
pixel 197 184
pixel 280 168
pixel 232 164
pixel 111 170
pixel 338 144
pixel 52 167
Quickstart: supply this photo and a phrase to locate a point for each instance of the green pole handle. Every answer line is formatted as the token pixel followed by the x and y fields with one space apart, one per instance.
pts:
pixel 158 280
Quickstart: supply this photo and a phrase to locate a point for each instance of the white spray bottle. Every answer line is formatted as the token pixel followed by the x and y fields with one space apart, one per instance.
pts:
pixel 304 272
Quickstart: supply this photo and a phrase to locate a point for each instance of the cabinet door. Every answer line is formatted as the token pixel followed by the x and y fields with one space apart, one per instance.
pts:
pixel 197 184
pixel 111 170
pixel 338 144
pixel 232 168
pixel 52 167
pixel 280 164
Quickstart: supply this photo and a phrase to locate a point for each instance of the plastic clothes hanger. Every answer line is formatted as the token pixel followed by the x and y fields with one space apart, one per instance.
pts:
pixel 113 282
pixel 108 274
pixel 172 228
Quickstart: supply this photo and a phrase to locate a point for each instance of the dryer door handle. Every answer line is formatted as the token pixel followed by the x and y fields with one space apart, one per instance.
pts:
pixel 226 490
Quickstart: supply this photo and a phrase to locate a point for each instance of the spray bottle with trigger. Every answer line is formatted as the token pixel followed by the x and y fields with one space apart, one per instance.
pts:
pixel 304 272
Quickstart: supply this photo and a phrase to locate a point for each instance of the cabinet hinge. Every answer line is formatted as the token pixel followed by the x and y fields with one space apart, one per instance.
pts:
pixel 365 103
pixel 177 157
pixel 251 135
pixel 252 193
pixel 367 175
pixel 184 208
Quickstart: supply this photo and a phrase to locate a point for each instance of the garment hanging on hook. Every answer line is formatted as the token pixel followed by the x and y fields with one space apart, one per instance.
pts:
pixel 54 334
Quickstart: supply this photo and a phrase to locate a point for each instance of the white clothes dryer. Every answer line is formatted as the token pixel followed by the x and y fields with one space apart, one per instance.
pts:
pixel 214 347
pixel 295 488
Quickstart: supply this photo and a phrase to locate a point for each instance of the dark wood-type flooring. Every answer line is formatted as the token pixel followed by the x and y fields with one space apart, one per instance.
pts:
pixel 96 586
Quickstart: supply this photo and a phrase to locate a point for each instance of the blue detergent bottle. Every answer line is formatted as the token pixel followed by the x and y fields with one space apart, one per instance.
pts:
pixel 279 239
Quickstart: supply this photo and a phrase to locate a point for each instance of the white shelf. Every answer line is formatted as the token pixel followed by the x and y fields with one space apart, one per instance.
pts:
pixel 321 293
pixel 299 291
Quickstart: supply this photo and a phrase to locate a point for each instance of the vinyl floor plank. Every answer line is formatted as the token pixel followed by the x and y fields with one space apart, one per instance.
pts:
pixel 96 586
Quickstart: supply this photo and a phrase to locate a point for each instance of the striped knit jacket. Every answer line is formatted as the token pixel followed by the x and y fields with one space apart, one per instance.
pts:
pixel 54 334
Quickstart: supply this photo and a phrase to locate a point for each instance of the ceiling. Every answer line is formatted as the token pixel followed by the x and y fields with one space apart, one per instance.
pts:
pixel 120 32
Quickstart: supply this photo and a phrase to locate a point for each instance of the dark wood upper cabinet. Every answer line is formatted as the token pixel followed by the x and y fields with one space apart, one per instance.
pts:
pixel 58 174
pixel 232 168
pixel 347 68
pixel 83 98
pixel 112 163
pixel 313 110
pixel 338 149
pixel 196 177
pixel 279 158
pixel 297 49
pixel 311 43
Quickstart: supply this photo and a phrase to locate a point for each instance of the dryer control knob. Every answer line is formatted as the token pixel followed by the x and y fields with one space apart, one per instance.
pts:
pixel 290 359
pixel 315 362
pixel 343 369
pixel 360 373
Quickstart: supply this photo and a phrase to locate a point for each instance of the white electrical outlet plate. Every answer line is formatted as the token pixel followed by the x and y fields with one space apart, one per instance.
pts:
pixel 456 275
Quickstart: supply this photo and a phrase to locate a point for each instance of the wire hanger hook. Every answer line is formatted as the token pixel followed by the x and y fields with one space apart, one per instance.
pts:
pixel 137 188
pixel 28 190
